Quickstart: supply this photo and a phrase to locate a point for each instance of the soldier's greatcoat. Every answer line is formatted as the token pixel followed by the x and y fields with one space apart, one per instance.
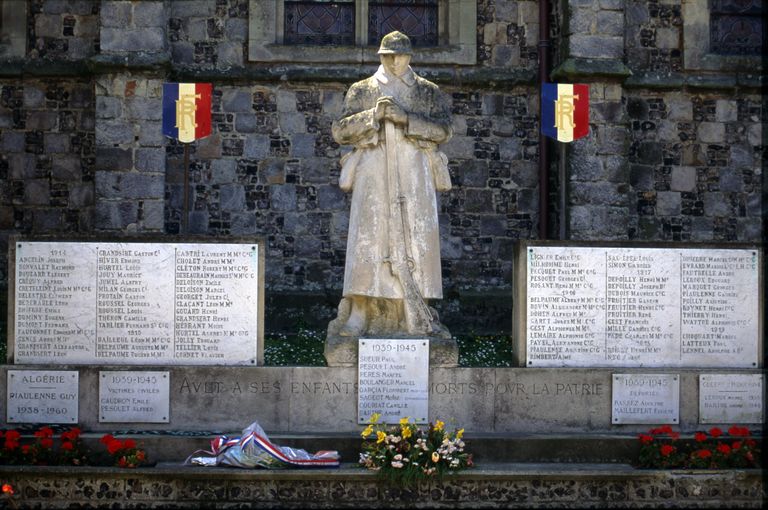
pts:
pixel 420 167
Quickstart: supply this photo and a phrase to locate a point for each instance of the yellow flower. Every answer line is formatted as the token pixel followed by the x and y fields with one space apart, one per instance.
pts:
pixel 380 436
pixel 403 421
pixel 439 425
pixel 435 457
pixel 375 418
pixel 406 432
pixel 459 433
pixel 368 431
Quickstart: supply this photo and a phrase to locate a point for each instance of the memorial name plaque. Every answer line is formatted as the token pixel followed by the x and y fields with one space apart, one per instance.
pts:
pixel 393 377
pixel 641 307
pixel 731 398
pixel 136 303
pixel 42 396
pixel 645 399
pixel 134 397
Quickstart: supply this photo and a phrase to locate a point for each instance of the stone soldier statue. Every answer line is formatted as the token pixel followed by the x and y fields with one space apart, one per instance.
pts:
pixel 395 121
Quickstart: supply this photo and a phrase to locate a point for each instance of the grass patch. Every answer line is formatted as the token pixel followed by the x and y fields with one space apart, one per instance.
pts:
pixel 305 348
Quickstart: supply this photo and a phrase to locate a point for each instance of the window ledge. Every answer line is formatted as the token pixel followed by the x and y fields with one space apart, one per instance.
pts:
pixel 461 54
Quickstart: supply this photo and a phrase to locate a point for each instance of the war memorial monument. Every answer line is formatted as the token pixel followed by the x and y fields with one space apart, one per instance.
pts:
pixel 372 182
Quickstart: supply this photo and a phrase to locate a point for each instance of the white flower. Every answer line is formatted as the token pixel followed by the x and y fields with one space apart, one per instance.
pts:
pixel 398 457
pixel 396 464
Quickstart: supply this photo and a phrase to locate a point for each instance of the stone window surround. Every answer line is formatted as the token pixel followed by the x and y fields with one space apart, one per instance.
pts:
pixel 696 36
pixel 13 30
pixel 457 25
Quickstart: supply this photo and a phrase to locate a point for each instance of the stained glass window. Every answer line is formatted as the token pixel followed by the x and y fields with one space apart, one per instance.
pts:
pixel 320 23
pixel 736 27
pixel 416 18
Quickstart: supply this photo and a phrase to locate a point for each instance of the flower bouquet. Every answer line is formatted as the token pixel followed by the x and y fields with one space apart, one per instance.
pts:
pixel 124 453
pixel 661 448
pixel 404 454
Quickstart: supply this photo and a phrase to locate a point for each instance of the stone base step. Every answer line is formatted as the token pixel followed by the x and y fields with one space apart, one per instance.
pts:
pixel 490 448
pixel 502 485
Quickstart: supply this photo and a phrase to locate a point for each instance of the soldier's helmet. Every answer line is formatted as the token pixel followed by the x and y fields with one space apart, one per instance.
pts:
pixel 395 43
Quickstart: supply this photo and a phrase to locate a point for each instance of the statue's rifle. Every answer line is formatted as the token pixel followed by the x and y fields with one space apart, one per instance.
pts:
pixel 418 318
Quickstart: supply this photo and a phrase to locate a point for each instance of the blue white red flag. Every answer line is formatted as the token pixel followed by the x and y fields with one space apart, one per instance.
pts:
pixel 187 110
pixel 565 111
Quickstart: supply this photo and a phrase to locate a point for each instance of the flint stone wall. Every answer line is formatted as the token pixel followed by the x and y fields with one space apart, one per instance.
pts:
pixel 531 486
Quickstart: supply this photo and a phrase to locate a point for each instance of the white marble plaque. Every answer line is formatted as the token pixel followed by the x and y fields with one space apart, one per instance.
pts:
pixel 393 378
pixel 136 303
pixel 645 399
pixel 642 307
pixel 731 398
pixel 134 397
pixel 42 396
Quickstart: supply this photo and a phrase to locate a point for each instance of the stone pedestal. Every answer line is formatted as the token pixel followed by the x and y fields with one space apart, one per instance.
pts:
pixel 341 351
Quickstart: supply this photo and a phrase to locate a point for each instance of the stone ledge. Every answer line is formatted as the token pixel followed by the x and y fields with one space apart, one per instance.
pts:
pixel 486 78
pixel 679 81
pixel 590 68
pixel 490 486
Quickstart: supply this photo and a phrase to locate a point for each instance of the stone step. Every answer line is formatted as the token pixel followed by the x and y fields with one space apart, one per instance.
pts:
pixel 493 485
pixel 490 448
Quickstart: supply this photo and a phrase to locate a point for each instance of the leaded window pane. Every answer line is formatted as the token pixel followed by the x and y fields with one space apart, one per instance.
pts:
pixel 736 27
pixel 313 22
pixel 415 18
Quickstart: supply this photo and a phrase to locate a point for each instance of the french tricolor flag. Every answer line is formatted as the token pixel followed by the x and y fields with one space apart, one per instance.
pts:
pixel 187 110
pixel 565 111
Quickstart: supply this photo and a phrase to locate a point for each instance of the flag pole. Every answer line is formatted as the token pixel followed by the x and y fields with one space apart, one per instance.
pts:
pixel 185 213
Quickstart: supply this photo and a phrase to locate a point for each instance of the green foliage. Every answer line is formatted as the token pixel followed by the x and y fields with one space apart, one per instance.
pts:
pixel 485 350
pixel 305 348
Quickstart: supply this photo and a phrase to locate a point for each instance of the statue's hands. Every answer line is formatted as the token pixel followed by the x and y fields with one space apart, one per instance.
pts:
pixel 388 109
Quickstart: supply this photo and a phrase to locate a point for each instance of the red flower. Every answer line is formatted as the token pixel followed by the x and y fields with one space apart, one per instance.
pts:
pixel 72 434
pixel 25 449
pixel 2 433
pixel 66 445
pixel 129 443
pixel 703 454
pixel 666 450
pixel 749 456
pixel 140 456
pixel 644 439
pixel 736 445
pixel 122 462
pixel 11 444
pixel 666 429
pixel 715 432
pixel 44 432
pixel 656 431
pixel 106 439
pixel 724 449
pixel 674 435
pixel 12 435
pixel 700 437
pixel 738 431
pixel 46 442
pixel 8 489
pixel 114 446
pixel 751 443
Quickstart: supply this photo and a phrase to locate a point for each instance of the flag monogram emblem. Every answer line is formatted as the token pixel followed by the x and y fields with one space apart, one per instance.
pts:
pixel 565 111
pixel 187 110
